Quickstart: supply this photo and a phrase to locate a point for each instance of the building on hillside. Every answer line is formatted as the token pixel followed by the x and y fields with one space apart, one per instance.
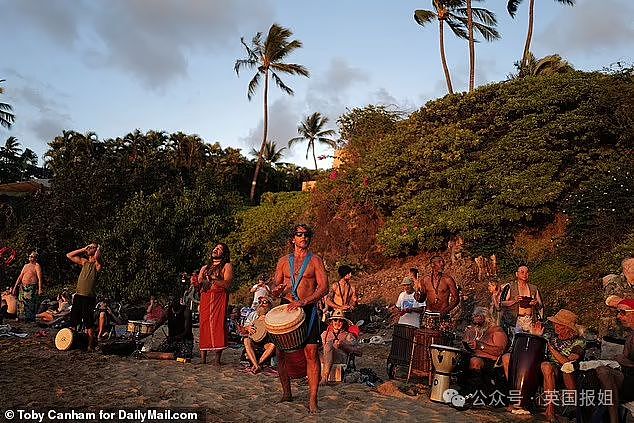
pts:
pixel 23 188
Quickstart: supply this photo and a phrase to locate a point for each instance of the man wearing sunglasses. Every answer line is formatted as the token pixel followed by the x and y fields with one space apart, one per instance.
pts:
pixel 621 383
pixel 31 280
pixel 301 281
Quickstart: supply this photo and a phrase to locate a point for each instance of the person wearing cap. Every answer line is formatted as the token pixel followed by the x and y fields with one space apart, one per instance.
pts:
pixel 260 289
pixel 620 382
pixel 487 341
pixel 409 309
pixel 621 285
pixel 250 346
pixel 338 343
pixel 567 346
pixel 30 279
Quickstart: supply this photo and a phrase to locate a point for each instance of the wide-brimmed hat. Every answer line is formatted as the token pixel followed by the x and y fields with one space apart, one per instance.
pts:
pixel 339 315
pixel 566 318
pixel 407 281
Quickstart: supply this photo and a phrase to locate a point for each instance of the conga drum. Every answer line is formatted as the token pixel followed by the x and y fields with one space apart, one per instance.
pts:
pixel 421 357
pixel 527 354
pixel 68 338
pixel 286 328
pixel 401 349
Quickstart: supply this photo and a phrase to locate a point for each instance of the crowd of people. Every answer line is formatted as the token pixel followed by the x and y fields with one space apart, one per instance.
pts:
pixel 300 282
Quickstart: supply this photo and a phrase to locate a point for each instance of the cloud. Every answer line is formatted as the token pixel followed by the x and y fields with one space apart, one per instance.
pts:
pixel 150 40
pixel 589 27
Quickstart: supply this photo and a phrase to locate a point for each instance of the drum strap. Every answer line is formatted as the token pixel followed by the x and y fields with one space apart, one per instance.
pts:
pixel 296 281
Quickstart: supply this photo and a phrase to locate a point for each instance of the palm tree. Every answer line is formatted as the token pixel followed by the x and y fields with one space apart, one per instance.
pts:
pixel 311 130
pixel 267 57
pixel 512 6
pixel 444 12
pixel 11 147
pixel 548 65
pixel 484 23
pixel 271 154
pixel 6 117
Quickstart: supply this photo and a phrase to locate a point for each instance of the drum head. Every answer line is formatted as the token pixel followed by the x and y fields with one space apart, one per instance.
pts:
pixel 279 320
pixel 64 339
pixel 445 348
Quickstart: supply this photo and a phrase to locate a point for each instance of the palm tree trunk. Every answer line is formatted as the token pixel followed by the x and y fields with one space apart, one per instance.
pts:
pixel 471 47
pixel 443 58
pixel 529 35
pixel 314 158
pixel 266 128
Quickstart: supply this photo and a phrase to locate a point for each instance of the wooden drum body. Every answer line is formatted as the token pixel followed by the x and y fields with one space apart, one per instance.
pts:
pixel 527 355
pixel 67 339
pixel 140 327
pixel 421 357
pixel 402 341
pixel 286 328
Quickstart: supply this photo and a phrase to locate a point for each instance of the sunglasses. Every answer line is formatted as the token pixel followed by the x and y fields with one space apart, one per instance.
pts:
pixel 303 235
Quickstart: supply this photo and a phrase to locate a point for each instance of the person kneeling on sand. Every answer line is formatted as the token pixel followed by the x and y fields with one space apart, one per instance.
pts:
pixel 249 330
pixel 338 344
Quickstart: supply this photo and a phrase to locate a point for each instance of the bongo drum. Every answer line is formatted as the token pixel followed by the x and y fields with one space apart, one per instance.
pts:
pixel 527 353
pixel 67 339
pixel 140 327
pixel 286 328
pixel 260 330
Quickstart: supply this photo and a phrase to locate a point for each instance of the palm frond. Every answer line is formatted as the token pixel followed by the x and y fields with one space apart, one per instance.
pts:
pixel 244 63
pixel 288 90
pixel 291 68
pixel 253 85
pixel 567 2
pixel 326 133
pixel 294 141
pixel 423 17
pixel 512 6
pixel 489 33
pixel 329 142
pixel 484 16
pixel 457 27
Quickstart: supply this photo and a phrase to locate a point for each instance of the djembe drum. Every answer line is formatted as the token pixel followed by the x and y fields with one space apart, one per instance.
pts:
pixel 260 330
pixel 287 328
pixel 445 361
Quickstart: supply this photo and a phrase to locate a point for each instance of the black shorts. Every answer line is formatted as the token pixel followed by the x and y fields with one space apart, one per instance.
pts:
pixel 83 311
pixel 313 336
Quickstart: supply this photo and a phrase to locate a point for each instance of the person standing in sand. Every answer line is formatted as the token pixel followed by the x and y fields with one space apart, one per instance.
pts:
pixel 438 290
pixel 84 300
pixel 301 281
pixel 521 303
pixel 215 280
pixel 30 278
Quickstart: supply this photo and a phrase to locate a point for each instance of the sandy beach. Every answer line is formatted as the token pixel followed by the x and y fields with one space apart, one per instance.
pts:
pixel 42 377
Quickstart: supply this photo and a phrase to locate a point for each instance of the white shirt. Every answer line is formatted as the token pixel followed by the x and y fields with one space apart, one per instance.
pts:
pixel 404 301
pixel 260 291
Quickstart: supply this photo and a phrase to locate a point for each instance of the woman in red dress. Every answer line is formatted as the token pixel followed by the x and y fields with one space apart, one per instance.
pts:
pixel 215 280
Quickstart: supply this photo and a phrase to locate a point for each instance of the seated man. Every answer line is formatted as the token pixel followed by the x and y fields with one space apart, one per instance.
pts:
pixel 342 295
pixel 11 302
pixel 155 312
pixel 338 343
pixel 249 330
pixel 487 341
pixel 62 308
pixel 566 346
pixel 180 338
pixel 621 382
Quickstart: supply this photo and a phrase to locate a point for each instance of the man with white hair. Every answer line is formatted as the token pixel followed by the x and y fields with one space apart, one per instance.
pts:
pixel 621 285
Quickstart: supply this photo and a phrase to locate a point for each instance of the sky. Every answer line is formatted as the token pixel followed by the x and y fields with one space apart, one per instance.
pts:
pixel 115 66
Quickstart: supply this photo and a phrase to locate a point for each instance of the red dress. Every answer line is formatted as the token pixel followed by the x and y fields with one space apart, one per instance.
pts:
pixel 213 311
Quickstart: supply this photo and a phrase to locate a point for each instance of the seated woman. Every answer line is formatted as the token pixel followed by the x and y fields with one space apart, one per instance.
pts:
pixel 249 330
pixel 338 343
pixel 566 346
pixel 155 312
pixel 62 309
pixel 487 341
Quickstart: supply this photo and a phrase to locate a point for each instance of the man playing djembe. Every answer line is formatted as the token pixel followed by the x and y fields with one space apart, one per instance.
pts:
pixel 301 281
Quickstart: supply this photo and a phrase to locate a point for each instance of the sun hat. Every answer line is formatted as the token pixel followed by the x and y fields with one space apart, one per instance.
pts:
pixel 566 318
pixel 613 300
pixel 407 281
pixel 339 315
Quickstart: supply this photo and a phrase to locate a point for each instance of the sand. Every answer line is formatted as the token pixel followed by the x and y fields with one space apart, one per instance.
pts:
pixel 42 377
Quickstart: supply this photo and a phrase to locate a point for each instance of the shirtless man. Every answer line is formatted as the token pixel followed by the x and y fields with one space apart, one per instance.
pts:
pixel 521 304
pixel 301 281
pixel 30 276
pixel 342 295
pixel 439 290
pixel 12 304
